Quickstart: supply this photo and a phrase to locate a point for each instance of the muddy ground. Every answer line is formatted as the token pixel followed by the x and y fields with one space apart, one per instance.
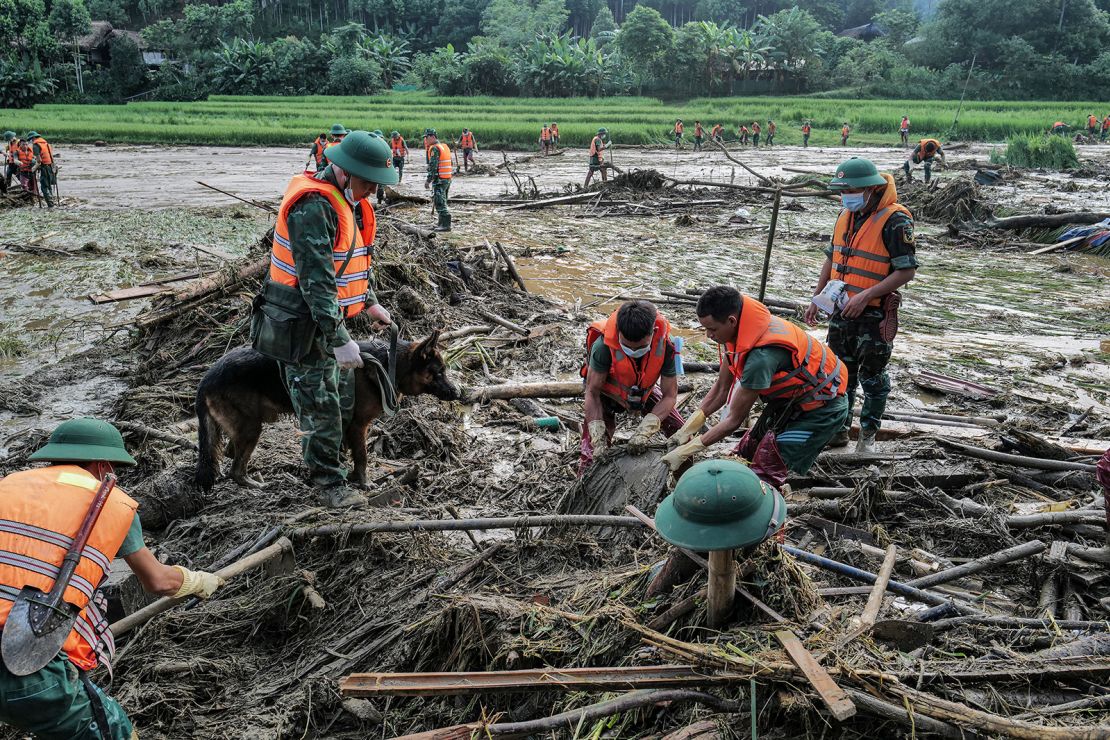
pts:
pixel 1033 328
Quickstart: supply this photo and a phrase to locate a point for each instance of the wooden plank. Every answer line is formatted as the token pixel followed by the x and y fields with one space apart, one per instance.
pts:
pixel 128 294
pixel 541 679
pixel 722 587
pixel 561 200
pixel 835 699
pixel 1059 245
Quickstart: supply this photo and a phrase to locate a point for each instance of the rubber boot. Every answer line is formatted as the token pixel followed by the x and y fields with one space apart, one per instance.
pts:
pixel 444 223
pixel 840 439
pixel 343 496
pixel 866 443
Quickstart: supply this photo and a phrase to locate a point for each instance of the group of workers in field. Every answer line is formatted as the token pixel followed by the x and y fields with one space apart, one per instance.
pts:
pixel 1096 130
pixel 30 161
pixel 549 138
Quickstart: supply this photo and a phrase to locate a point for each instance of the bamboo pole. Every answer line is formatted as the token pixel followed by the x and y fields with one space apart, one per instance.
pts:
pixel 457 525
pixel 770 244
pixel 722 587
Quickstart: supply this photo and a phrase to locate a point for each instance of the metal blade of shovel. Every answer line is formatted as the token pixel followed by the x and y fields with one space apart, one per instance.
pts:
pixel 35 631
pixel 39 623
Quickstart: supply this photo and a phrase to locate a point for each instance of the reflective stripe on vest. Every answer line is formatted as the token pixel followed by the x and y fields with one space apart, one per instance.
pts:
pixel 444 171
pixel 40 512
pixel 625 373
pixel 46 154
pixel 354 282
pixel 26 156
pixel 398 146
pixel 818 375
pixel 865 262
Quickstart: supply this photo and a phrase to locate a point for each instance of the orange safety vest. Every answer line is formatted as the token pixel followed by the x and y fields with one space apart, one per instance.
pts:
pixel 698 130
pixel 41 511
pixel 678 128
pixel 626 373
pixel 906 124
pixel 13 151
pixel 467 140
pixel 861 258
pixel 845 131
pixel 1058 124
pixel 716 130
pixel 398 146
pixel 597 146
pixel 805 128
pixel 350 254
pixel 46 154
pixel 771 128
pixel 818 375
pixel 928 148
pixel 755 128
pixel 545 134
pixel 26 155
pixel 318 148
pixel 1092 121
pixel 445 171
pixel 1106 123
pixel 554 131
pixel 743 129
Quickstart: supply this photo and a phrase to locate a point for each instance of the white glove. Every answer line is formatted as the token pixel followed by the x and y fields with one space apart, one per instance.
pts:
pixel 197 583
pixel 380 315
pixel 692 426
pixel 682 453
pixel 599 436
pixel 648 428
pixel 348 355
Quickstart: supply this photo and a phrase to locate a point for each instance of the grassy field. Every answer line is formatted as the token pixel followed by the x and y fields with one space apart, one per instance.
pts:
pixel 516 122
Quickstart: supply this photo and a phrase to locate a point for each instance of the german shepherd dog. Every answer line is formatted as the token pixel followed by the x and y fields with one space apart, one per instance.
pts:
pixel 244 390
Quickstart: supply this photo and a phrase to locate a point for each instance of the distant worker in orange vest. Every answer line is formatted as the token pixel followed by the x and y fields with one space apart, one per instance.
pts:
pixel 1092 125
pixel 924 153
pixel 338 131
pixel 845 132
pixel 468 146
pixel 9 162
pixel 676 132
pixel 1105 128
pixel 545 139
pixel 43 156
pixel 630 366
pixel 597 157
pixel 904 130
pixel 41 511
pixel 320 276
pixel 801 382
pixel 1060 128
pixel 439 176
pixel 872 254
pixel 806 129
pixel 742 135
pixel 554 135
pixel 316 153
pixel 25 156
pixel 755 133
pixel 717 133
pixel 699 134
pixel 771 129
pixel 400 151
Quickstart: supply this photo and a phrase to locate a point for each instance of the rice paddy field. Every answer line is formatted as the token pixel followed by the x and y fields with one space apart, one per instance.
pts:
pixel 515 122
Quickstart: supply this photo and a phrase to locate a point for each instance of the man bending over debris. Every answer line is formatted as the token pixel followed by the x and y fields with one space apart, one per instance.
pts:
pixel 802 384
pixel 41 511
pixel 320 270
pixel 631 368
pixel 873 253
pixel 924 153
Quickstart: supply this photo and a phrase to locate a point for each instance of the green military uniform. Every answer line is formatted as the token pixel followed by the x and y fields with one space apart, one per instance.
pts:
pixel 800 435
pixel 47 178
pixel 440 188
pixel 858 343
pixel 322 393
pixel 56 701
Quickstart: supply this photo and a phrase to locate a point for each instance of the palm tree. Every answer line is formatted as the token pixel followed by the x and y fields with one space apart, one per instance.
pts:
pixel 391 54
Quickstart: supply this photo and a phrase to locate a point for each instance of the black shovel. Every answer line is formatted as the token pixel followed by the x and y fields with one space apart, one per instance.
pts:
pixel 39 623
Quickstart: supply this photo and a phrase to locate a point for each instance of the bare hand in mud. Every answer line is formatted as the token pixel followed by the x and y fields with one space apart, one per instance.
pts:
pixel 811 315
pixel 856 304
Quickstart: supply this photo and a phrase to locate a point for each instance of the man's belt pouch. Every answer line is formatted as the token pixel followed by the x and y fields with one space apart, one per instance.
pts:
pixel 282 327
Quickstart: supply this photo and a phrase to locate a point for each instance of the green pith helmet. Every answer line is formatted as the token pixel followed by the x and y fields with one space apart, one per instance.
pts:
pixel 430 132
pixel 602 131
pixel 394 133
pixel 856 173
pixel 377 132
pixel 9 135
pixel 720 505
pixel 85 440
pixel 32 134
pixel 338 129
pixel 364 155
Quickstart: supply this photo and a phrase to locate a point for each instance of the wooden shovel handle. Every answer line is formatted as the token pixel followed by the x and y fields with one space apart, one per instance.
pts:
pixel 73 555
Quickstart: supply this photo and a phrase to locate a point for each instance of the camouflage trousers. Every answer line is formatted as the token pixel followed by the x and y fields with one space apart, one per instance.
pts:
pixel 47 181
pixel 323 397
pixel 866 354
pixel 439 197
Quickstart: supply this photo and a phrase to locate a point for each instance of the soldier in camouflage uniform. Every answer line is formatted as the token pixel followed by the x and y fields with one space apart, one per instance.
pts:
pixel 439 176
pixel 319 375
pixel 873 253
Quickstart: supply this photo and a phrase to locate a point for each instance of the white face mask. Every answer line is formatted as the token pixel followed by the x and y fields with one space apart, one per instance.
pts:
pixel 349 195
pixel 634 353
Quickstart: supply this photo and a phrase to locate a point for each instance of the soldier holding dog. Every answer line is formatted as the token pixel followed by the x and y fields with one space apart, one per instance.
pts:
pixel 320 270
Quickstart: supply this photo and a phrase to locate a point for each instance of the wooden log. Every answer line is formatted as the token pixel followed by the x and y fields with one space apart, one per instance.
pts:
pixel 1019 623
pixel 460 525
pixel 407 228
pixel 510 264
pixel 1019 460
pixel 770 245
pixel 502 321
pixel 917 722
pixel 1102 701
pixel 142 429
pixel 834 698
pixel 256 204
pixel 1038 221
pixel 559 201
pixel 567 389
pixel 678 611
pixel 722 587
pixel 979 565
pixel 276 550
pixel 875 599
pixel 1090 646
pixel 705 729
pixel 465 331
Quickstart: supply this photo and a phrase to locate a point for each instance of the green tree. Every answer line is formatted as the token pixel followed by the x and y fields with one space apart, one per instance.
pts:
pixel 793 34
pixel 645 40
pixel 489 70
pixel 391 55
pixel 900 26
pixel 112 11
pixel 604 27
pixel 127 70
pixel 516 23
pixel 722 11
pixel 353 76
pixel 460 21
pixel 23 25
pixel 69 19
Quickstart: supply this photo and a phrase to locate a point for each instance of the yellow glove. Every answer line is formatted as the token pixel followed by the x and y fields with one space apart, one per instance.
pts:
pixel 648 428
pixel 197 583
pixel 599 436
pixel 682 453
pixel 692 426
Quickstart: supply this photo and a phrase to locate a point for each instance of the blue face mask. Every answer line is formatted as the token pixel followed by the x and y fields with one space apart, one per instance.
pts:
pixel 853 201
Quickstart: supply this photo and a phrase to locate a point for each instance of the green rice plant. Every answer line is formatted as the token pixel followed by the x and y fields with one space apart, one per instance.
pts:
pixel 1041 152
